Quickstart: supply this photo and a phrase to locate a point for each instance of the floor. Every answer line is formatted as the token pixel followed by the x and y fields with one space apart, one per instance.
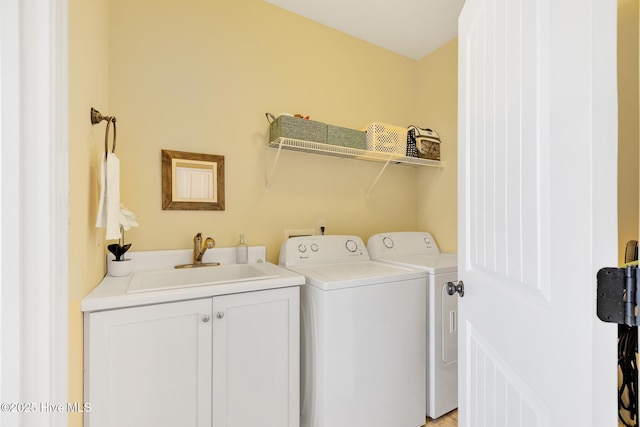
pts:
pixel 451 420
pixel 447 420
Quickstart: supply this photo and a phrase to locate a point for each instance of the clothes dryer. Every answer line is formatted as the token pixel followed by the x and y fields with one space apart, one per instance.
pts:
pixel 363 346
pixel 418 250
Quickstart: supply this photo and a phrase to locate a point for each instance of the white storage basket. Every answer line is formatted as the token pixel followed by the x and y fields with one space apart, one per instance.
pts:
pixel 386 138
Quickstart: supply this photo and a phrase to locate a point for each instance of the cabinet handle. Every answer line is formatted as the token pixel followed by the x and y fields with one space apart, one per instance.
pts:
pixel 206 318
pixel 220 315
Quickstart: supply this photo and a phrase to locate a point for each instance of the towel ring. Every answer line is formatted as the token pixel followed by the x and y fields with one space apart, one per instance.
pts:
pixel 96 118
pixel 106 136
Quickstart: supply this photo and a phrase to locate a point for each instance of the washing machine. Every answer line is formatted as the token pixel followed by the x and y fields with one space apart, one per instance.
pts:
pixel 419 250
pixel 363 346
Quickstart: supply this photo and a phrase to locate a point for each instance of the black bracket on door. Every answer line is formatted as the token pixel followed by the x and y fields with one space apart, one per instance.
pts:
pixel 617 298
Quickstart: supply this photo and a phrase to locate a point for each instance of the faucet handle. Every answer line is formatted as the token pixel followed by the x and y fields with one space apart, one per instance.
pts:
pixel 209 243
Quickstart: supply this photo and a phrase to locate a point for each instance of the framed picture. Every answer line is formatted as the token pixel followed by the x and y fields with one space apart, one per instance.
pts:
pixel 192 181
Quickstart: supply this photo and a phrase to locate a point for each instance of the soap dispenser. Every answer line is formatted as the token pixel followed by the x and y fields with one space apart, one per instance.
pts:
pixel 242 251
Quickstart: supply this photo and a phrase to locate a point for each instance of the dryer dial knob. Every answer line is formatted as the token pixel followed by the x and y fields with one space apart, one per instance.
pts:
pixel 302 248
pixel 314 247
pixel 351 245
pixel 387 242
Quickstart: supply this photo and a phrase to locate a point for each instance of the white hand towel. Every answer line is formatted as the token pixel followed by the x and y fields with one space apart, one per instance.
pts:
pixel 109 205
pixel 101 218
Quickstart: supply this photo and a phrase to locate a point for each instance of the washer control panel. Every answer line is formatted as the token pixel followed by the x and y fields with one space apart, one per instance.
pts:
pixel 328 249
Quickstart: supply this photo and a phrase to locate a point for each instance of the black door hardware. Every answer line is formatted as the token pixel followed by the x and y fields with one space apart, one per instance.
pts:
pixel 617 295
pixel 452 288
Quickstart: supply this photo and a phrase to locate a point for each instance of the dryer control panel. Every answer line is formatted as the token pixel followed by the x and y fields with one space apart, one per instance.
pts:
pixel 401 244
pixel 318 250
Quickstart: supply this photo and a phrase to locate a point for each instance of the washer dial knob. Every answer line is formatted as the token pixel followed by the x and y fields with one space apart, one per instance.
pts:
pixel 351 245
pixel 302 248
pixel 314 247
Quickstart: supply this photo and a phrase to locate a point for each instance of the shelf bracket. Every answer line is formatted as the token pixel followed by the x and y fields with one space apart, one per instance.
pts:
pixel 375 181
pixel 273 166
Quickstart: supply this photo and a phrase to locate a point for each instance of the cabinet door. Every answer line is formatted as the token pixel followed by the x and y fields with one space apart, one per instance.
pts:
pixel 256 347
pixel 149 366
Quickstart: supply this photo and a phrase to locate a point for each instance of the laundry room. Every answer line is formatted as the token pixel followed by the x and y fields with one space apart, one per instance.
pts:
pixel 198 76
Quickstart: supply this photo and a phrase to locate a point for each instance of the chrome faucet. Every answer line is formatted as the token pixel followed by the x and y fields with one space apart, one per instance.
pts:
pixel 200 247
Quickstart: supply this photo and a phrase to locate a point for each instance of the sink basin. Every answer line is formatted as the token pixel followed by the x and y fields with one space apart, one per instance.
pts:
pixel 147 281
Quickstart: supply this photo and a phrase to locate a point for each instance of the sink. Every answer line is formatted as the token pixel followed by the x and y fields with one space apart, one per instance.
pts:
pixel 156 280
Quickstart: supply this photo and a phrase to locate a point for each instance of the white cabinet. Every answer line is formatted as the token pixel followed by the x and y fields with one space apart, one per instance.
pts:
pixel 149 366
pixel 256 359
pixel 226 361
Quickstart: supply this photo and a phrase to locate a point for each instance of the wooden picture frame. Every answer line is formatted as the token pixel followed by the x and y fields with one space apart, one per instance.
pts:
pixel 192 181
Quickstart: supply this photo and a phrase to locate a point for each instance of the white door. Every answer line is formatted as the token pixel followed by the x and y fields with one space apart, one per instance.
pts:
pixel 537 211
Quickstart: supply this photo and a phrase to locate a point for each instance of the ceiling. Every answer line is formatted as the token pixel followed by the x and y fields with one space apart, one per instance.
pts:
pixel 412 28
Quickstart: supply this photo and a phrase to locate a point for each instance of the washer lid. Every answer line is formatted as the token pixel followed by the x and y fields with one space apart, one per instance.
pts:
pixel 433 264
pixel 346 275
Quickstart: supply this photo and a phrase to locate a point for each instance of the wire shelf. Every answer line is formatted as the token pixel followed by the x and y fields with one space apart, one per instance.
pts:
pixel 349 152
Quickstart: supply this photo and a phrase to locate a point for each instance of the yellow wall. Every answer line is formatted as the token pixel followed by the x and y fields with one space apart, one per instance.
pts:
pixel 88 83
pixel 628 115
pixel 198 76
pixel 438 106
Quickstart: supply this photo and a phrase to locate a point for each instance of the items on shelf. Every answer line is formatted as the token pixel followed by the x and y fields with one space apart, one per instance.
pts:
pixel 427 143
pixel 377 141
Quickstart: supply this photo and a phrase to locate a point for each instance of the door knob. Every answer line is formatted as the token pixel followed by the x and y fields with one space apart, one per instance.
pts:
pixel 452 288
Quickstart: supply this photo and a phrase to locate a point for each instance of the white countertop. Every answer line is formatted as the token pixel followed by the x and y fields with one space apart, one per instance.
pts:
pixel 112 293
